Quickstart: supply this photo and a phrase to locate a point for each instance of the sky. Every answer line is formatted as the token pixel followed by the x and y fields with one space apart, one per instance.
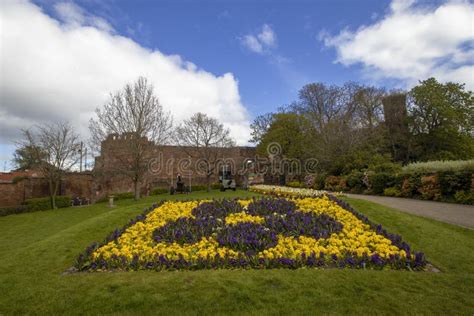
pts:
pixel 233 60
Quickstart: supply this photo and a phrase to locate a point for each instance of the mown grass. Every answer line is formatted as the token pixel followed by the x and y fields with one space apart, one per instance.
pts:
pixel 36 248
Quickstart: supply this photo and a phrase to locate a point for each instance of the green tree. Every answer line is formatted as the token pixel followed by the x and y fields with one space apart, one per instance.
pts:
pixel 441 118
pixel 27 157
pixel 286 141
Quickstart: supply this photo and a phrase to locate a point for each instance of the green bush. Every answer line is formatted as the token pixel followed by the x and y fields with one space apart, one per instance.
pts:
pixel 295 184
pixel 354 181
pixel 319 181
pixel 436 166
pixel 380 181
pixel 454 181
pixel 410 184
pixel 123 196
pixel 392 191
pixel 8 210
pixel 413 182
pixel 464 197
pixel 198 187
pixel 215 186
pixel 157 191
pixel 43 204
pixel 387 167
pixel 117 196
pixel 335 183
pixel 331 183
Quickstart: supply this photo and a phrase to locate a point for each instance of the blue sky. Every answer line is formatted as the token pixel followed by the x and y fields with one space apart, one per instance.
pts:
pixel 208 34
pixel 232 60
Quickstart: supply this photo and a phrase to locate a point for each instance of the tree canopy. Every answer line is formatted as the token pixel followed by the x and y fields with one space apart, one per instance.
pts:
pixel 353 127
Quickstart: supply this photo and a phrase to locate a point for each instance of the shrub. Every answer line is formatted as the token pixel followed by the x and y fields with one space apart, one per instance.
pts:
pixel 198 187
pixel 332 183
pixel 157 191
pixel 43 204
pixel 388 167
pixel 410 184
pixel 123 196
pixel 8 210
pixel 392 191
pixel 117 196
pixel 407 188
pixel 451 182
pixel 398 180
pixel 435 166
pixel 464 197
pixel 354 181
pixel 319 181
pixel 380 181
pixel 215 185
pixel 342 186
pixel 295 184
pixel 429 188
pixel 309 181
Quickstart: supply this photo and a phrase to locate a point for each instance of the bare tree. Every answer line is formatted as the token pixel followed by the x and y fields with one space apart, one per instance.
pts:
pixel 134 111
pixel 260 126
pixel 203 138
pixel 369 106
pixel 55 148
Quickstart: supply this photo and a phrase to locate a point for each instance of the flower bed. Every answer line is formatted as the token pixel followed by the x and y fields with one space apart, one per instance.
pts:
pixel 283 191
pixel 258 233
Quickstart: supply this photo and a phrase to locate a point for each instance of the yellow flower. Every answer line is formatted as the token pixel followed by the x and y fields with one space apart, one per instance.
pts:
pixel 355 237
pixel 235 218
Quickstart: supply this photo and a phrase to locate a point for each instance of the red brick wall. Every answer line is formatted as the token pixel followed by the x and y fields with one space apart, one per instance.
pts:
pixel 168 158
pixel 12 194
pixel 73 184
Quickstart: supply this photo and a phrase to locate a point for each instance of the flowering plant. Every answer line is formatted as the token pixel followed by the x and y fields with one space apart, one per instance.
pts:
pixel 277 190
pixel 255 233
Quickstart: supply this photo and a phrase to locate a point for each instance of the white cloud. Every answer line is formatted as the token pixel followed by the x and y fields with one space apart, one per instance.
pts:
pixel 53 70
pixel 262 42
pixel 252 43
pixel 74 16
pixel 413 42
pixel 267 36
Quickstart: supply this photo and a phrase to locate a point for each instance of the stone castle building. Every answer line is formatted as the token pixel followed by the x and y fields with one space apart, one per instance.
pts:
pixel 163 164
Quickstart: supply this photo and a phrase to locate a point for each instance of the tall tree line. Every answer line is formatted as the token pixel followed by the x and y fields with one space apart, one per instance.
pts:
pixel 353 126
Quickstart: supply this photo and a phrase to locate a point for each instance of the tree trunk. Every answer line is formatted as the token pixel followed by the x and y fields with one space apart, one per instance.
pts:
pixel 208 182
pixel 54 193
pixel 136 189
pixel 51 194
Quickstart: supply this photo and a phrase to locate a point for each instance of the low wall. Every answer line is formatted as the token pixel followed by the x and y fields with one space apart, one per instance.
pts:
pixel 73 184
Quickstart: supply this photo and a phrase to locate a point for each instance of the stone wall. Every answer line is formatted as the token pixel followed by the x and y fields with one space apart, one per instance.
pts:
pixel 164 164
pixel 12 194
pixel 74 184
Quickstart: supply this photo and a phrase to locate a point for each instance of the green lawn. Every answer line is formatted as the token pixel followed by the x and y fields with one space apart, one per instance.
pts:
pixel 36 248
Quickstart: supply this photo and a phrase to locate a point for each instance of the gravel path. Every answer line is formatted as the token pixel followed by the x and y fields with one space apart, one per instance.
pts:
pixel 458 214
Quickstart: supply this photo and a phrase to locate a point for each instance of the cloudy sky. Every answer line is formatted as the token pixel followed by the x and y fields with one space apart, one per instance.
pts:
pixel 233 60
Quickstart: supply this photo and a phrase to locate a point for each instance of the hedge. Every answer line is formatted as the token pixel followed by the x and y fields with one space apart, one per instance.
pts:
pixel 438 166
pixel 158 191
pixel 448 185
pixel 8 210
pixel 43 204
pixel 37 204
pixel 117 196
